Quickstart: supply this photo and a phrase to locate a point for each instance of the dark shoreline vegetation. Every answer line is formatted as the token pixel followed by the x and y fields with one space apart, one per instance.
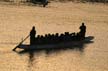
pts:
pixel 33 1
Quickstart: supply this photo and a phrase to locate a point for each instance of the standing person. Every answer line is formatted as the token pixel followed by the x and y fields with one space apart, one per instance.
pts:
pixel 82 30
pixel 32 36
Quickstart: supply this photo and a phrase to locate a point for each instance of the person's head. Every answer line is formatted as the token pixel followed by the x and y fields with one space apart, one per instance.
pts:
pixel 33 27
pixel 83 23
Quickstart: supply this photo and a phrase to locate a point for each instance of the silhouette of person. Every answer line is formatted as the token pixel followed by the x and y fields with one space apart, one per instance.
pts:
pixel 32 36
pixel 82 30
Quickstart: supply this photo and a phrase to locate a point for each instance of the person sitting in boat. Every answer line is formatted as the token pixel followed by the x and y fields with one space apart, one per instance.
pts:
pixel 82 31
pixel 32 36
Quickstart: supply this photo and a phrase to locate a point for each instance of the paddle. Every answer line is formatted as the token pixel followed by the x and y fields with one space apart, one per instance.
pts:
pixel 21 42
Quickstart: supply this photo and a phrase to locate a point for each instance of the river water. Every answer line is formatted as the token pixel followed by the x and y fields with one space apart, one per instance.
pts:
pixel 93 56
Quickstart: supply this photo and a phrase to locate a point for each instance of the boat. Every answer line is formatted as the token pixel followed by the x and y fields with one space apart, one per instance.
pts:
pixel 55 41
pixel 50 46
pixel 66 40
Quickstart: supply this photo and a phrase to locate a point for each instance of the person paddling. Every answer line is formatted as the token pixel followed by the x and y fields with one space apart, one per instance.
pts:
pixel 32 36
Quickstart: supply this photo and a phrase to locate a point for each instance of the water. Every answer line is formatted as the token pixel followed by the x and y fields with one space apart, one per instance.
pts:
pixel 91 58
pixel 59 18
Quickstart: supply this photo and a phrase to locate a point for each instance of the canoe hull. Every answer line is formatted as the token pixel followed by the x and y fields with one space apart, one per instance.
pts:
pixel 51 46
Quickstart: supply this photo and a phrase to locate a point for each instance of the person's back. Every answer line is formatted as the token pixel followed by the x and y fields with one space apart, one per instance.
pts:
pixel 82 30
pixel 32 36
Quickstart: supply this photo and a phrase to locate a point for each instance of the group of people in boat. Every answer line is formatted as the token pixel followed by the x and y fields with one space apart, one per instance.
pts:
pixel 55 38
